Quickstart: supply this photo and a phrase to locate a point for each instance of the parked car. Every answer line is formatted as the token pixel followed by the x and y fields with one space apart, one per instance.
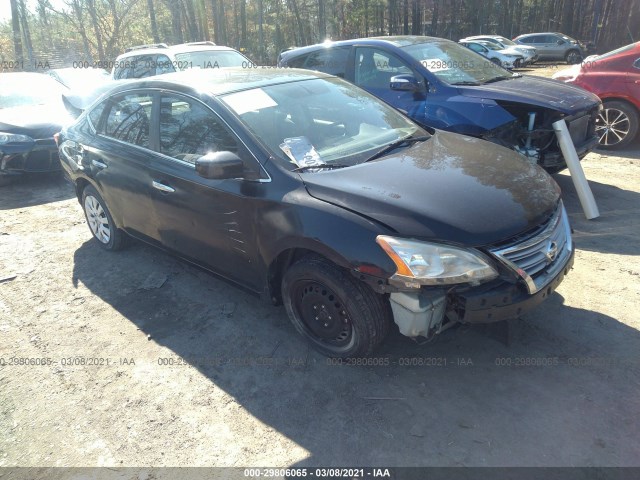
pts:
pixel 159 58
pixel 31 111
pixel 352 217
pixel 529 53
pixel 504 57
pixel 615 78
pixel 79 78
pixel 441 84
pixel 554 46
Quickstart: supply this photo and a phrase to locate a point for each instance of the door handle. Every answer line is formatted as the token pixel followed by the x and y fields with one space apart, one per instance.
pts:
pixel 162 187
pixel 98 164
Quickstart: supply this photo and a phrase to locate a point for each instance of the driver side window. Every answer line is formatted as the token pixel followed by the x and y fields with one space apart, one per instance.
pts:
pixel 374 68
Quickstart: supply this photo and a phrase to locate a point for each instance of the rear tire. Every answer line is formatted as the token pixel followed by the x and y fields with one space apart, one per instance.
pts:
pixel 616 125
pixel 339 315
pixel 100 221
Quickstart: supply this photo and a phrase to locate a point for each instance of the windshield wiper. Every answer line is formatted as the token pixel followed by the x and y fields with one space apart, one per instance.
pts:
pixel 498 79
pixel 319 166
pixel 466 82
pixel 398 143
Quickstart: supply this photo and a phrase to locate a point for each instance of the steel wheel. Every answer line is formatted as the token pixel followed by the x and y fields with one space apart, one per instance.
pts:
pixel 323 314
pixel 338 314
pixel 97 218
pixel 100 221
pixel 616 124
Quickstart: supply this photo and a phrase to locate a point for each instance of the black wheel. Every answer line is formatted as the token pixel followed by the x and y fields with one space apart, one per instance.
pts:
pixel 617 124
pixel 573 57
pixel 496 61
pixel 338 314
pixel 100 221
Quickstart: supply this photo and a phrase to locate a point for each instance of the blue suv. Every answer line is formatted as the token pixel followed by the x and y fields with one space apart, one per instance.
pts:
pixel 441 84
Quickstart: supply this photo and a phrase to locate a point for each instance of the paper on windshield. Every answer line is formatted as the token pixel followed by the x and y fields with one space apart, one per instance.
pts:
pixel 301 152
pixel 250 100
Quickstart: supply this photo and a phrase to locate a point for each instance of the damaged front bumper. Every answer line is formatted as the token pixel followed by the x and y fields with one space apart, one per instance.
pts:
pixel 39 156
pixel 426 312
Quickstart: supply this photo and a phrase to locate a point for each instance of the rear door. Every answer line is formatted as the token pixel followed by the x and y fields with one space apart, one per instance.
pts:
pixel 118 159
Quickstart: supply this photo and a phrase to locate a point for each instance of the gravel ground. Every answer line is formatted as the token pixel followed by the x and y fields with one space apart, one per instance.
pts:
pixel 137 359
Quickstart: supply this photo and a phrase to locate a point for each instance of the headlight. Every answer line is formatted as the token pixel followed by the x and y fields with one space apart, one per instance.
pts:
pixel 13 138
pixel 434 264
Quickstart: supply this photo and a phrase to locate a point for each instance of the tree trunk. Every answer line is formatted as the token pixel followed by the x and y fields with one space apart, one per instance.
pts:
pixel 17 36
pixel 154 23
pixel 26 33
pixel 192 24
pixel 91 6
pixel 434 19
pixel 243 23
pixel 322 21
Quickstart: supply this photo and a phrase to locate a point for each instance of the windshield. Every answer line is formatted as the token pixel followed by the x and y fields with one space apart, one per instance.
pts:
pixel 28 89
pixel 211 59
pixel 320 121
pixel 505 41
pixel 455 64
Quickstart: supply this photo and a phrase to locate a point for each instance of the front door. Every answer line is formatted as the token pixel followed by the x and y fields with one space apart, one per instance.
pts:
pixel 209 221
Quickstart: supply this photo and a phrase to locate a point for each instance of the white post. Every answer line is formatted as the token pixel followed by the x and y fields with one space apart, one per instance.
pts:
pixel 577 174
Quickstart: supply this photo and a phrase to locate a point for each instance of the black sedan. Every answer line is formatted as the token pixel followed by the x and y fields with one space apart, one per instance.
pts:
pixel 313 193
pixel 31 112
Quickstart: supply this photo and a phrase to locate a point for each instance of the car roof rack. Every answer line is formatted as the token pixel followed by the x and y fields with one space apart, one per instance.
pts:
pixel 150 45
pixel 204 42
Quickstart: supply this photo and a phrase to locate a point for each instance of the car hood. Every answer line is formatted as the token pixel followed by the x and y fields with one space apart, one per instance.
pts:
pixel 542 92
pixel 450 188
pixel 36 121
pixel 510 51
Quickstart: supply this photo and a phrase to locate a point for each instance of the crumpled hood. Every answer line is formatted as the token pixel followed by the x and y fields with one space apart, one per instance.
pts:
pixel 36 121
pixel 451 188
pixel 542 92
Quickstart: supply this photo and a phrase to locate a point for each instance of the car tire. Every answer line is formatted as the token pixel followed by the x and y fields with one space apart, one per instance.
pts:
pixel 100 221
pixel 623 117
pixel 496 61
pixel 339 315
pixel 572 57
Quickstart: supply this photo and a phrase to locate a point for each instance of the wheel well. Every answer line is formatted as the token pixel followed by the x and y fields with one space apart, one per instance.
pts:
pixel 280 265
pixel 620 99
pixel 80 186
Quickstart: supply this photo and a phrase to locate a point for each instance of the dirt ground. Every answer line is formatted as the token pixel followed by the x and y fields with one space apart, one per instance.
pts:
pixel 137 359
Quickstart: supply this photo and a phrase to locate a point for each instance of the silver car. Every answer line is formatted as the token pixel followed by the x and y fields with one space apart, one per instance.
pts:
pixel 554 46
pixel 529 54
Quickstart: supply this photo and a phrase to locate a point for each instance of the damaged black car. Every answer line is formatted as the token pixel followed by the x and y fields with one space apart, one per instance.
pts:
pixel 31 112
pixel 441 84
pixel 315 194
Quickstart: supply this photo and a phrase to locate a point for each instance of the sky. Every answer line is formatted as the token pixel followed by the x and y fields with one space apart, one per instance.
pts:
pixel 5 8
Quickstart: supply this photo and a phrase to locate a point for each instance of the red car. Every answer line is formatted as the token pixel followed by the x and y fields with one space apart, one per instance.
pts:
pixel 615 78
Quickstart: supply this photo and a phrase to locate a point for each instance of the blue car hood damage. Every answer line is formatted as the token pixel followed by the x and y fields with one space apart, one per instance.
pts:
pixel 541 92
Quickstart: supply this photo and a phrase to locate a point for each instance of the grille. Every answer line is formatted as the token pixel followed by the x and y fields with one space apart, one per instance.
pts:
pixel 43 157
pixel 540 256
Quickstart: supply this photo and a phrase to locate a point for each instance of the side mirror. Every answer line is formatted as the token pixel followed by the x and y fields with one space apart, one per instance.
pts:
pixel 404 83
pixel 220 166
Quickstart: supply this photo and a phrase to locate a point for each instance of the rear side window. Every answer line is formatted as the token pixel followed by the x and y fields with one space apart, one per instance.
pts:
pixel 189 130
pixel 127 119
pixel 297 62
pixel 331 60
pixel 143 66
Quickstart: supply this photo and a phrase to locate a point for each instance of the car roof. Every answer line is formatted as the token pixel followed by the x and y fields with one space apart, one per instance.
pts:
pixel 180 48
pixel 397 41
pixel 220 81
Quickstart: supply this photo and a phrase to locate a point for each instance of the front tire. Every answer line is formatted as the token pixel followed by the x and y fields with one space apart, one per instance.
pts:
pixel 616 125
pixel 100 221
pixel 496 61
pixel 572 57
pixel 339 315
